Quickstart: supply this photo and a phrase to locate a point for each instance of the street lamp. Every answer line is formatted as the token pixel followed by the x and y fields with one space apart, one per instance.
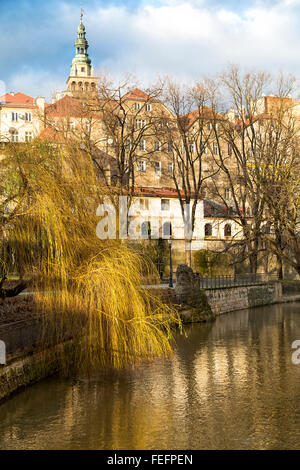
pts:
pixel 171 268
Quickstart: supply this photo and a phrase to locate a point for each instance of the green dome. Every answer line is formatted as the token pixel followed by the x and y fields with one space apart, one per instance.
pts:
pixel 81 47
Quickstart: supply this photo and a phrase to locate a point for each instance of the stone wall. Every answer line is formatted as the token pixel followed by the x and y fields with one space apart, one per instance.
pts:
pixel 228 299
pixel 207 303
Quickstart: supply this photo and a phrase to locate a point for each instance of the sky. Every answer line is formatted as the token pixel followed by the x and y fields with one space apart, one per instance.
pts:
pixel 186 39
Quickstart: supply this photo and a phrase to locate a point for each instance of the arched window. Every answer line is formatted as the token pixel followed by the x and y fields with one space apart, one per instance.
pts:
pixel 167 229
pixel 73 86
pixel 208 230
pixel 227 230
pixel 146 230
pixel 86 86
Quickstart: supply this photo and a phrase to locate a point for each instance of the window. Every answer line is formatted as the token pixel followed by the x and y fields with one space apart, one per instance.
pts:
pixel 192 147
pixel 204 149
pixel 137 106
pixel 209 126
pixel 229 150
pixel 167 229
pixel 157 146
pixel 142 166
pixel 82 69
pixel 146 229
pixel 207 230
pixel 28 117
pixel 142 145
pixel 28 136
pixel 72 125
pixel 215 148
pixel 140 123
pixel 14 116
pixel 170 167
pixel 15 136
pixel 148 107
pixel 169 147
pixel 165 204
pixel 144 204
pixel 227 193
pixel 128 145
pixel 227 230
pixel 157 168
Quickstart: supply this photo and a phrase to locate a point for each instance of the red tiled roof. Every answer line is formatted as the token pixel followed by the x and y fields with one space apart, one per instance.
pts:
pixel 161 192
pixel 66 106
pixel 138 94
pixel 204 113
pixel 17 100
pixel 52 135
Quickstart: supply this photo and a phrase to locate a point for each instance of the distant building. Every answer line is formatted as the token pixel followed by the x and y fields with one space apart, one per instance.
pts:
pixel 21 117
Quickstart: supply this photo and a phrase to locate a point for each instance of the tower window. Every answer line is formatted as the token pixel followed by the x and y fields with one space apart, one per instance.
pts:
pixel 82 69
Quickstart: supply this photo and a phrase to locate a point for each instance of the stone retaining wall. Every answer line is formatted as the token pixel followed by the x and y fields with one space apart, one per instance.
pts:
pixel 228 299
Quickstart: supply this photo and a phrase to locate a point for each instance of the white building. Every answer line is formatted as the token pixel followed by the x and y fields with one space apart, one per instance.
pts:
pixel 21 117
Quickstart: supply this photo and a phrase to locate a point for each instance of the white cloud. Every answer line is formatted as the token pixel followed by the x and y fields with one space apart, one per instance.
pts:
pixel 35 83
pixel 187 39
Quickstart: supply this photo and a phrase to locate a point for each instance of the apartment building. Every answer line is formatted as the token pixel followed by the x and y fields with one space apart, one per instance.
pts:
pixel 21 117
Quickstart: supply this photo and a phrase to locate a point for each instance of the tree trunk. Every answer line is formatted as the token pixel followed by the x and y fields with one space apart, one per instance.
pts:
pixel 188 253
pixel 279 267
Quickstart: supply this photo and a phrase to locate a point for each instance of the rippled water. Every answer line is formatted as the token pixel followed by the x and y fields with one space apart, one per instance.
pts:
pixel 230 385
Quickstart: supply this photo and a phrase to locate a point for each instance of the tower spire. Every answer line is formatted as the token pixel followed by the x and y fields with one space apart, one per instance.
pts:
pixel 81 78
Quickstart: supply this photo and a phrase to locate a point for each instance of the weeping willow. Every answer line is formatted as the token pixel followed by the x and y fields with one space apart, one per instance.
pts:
pixel 87 291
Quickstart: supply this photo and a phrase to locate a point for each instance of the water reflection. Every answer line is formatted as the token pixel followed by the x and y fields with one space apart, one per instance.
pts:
pixel 230 384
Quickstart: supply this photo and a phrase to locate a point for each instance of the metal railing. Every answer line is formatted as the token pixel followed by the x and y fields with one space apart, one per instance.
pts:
pixel 248 279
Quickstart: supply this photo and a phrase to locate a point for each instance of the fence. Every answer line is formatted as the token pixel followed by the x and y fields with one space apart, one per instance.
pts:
pixel 232 281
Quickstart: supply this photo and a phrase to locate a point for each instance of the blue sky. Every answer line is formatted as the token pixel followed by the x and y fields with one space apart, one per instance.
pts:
pixel 187 39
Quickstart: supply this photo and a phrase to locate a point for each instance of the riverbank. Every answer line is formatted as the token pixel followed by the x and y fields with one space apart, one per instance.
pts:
pixel 231 384
pixel 21 328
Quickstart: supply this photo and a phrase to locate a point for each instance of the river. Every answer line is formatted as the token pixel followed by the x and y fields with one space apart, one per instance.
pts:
pixel 231 384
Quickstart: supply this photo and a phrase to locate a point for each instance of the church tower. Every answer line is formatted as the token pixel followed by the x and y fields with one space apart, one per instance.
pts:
pixel 81 80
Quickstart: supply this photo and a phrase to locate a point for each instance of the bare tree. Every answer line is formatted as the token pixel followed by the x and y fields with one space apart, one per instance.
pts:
pixel 185 139
pixel 251 134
